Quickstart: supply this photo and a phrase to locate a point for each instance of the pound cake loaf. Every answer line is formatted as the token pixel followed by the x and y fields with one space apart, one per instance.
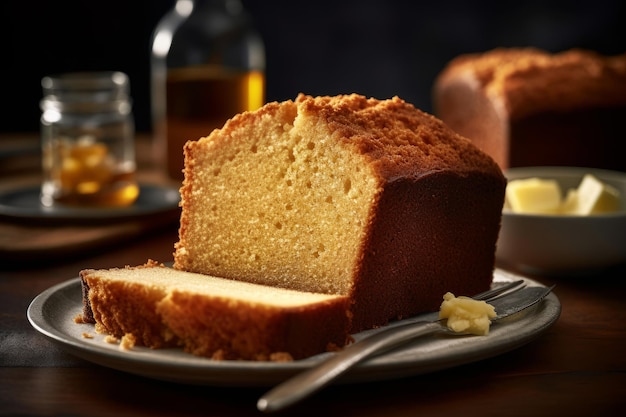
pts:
pixel 525 106
pixel 213 317
pixel 369 199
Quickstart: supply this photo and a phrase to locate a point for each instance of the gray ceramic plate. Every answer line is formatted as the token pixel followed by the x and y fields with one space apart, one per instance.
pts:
pixel 52 313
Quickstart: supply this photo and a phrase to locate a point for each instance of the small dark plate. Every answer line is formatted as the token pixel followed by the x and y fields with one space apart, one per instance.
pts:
pixel 24 204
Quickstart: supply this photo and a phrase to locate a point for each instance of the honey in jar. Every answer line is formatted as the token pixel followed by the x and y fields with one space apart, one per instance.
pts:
pixel 88 141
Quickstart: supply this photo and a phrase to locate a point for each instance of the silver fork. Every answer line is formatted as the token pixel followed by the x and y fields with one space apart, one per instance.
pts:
pixel 310 381
pixel 500 290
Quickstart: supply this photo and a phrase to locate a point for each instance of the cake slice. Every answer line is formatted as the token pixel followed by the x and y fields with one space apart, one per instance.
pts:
pixel 218 318
pixel 367 199
pixel 526 106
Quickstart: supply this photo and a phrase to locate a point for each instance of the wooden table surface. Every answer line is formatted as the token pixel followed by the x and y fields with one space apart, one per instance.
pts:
pixel 576 368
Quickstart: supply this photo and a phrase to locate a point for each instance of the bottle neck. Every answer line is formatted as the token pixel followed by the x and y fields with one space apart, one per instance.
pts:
pixel 207 32
pixel 232 6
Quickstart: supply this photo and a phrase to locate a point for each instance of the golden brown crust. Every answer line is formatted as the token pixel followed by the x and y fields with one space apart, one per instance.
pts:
pixel 400 140
pixel 238 330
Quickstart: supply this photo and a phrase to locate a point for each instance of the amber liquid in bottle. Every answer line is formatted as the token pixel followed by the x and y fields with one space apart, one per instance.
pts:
pixel 201 99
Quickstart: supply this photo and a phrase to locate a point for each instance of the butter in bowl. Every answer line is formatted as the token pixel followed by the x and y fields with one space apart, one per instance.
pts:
pixel 563 220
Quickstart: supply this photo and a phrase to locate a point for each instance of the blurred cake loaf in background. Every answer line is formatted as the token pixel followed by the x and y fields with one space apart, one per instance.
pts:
pixel 525 106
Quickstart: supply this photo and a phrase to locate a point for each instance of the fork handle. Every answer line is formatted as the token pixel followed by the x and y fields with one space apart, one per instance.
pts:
pixel 311 380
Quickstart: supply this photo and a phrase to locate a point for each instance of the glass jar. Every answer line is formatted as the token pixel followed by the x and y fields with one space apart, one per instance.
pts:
pixel 88 146
pixel 207 65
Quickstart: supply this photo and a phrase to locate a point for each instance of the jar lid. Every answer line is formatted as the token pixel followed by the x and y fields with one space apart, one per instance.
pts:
pixel 86 91
pixel 94 86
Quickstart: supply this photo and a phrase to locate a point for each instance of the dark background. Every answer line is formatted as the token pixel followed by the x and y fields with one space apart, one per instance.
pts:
pixel 378 48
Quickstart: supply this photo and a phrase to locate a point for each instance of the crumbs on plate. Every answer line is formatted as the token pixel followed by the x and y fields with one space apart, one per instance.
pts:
pixel 79 319
pixel 128 341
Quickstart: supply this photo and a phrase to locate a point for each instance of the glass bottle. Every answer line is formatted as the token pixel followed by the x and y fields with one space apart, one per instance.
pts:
pixel 88 140
pixel 208 64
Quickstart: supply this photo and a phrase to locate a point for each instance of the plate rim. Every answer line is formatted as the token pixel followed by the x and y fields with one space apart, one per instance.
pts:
pixel 53 215
pixel 174 365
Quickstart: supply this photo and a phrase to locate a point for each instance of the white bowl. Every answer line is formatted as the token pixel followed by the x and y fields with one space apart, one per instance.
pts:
pixel 564 244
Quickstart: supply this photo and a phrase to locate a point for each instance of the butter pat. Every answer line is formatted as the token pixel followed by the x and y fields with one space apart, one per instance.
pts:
pixel 534 196
pixel 466 315
pixel 595 197
pixel 571 201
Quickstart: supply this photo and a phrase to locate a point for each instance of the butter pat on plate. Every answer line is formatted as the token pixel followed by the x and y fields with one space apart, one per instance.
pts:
pixel 466 315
